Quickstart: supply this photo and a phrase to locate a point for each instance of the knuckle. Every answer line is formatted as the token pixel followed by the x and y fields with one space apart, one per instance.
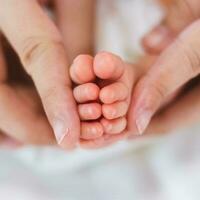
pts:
pixel 37 48
pixel 154 92
pixel 191 56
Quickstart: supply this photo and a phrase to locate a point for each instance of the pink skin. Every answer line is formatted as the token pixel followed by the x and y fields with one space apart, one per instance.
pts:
pixel 177 64
pixel 103 104
pixel 46 51
pixel 8 142
pixel 179 15
pixel 176 39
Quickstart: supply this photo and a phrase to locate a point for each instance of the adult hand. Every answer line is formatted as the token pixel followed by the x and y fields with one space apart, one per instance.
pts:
pixel 179 14
pixel 177 64
pixel 184 110
pixel 179 110
pixel 22 119
pixel 40 48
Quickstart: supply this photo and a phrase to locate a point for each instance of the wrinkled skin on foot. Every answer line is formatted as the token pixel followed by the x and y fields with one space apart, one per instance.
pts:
pixel 101 116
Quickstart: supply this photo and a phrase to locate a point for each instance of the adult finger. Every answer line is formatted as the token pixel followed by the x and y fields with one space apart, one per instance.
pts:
pixel 108 66
pixel 27 125
pixel 40 48
pixel 177 65
pixel 22 125
pixel 75 20
pixel 182 112
pixel 179 14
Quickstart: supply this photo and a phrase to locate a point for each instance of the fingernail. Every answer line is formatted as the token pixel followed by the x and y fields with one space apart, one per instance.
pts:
pixel 142 121
pixel 60 131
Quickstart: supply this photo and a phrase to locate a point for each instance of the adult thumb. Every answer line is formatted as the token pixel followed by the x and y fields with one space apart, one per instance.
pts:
pixel 179 63
pixel 179 14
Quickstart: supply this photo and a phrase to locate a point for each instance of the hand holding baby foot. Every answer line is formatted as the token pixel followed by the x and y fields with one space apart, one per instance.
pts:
pixel 103 94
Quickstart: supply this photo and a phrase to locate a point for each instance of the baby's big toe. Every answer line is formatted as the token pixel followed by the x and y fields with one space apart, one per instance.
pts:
pixel 81 70
pixel 108 66
pixel 91 130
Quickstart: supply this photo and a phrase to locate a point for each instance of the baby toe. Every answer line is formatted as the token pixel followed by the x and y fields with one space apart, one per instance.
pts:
pixel 115 126
pixel 108 66
pixel 89 111
pixel 81 70
pixel 91 130
pixel 115 110
pixel 93 143
pixel 104 141
pixel 86 92
pixel 114 92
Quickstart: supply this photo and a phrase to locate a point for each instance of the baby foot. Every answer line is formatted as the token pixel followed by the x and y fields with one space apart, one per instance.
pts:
pixel 86 94
pixel 103 95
